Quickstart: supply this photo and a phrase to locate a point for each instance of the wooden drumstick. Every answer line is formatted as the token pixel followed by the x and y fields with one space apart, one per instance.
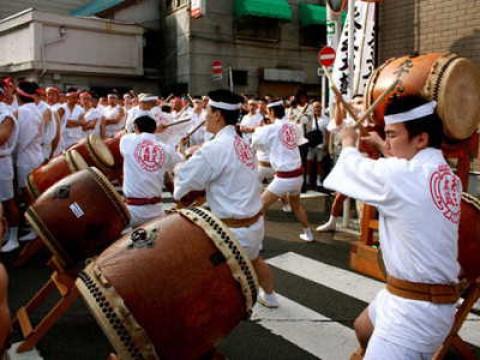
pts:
pixel 337 92
pixel 178 122
pixel 194 130
pixel 377 101
pixel 168 98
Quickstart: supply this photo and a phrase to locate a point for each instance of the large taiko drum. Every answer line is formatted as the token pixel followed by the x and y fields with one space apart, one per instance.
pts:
pixel 115 173
pixel 171 289
pixel 56 169
pixel 95 152
pixel 79 216
pixel 5 322
pixel 452 81
pixel 469 237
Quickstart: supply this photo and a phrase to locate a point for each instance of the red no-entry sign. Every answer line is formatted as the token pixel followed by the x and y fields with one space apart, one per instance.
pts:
pixel 326 56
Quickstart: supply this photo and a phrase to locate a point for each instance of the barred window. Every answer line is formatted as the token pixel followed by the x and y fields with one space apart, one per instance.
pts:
pixel 257 29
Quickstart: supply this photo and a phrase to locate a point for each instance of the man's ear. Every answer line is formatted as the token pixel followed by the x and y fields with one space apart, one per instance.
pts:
pixel 422 140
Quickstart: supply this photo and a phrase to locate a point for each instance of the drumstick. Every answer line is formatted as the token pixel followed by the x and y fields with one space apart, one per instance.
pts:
pixel 377 101
pixel 339 94
pixel 178 122
pixel 194 130
pixel 168 98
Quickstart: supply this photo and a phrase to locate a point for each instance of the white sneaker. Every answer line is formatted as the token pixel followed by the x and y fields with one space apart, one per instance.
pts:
pixel 268 300
pixel 11 242
pixel 286 208
pixel 307 235
pixel 330 225
pixel 31 235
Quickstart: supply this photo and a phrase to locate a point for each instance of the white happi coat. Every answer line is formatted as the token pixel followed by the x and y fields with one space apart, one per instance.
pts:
pixel 225 167
pixel 419 208
pixel 6 149
pixel 29 151
pixel 111 112
pixel 198 137
pixel 252 121
pixel 93 114
pixel 145 161
pixel 72 135
pixel 49 129
pixel 279 140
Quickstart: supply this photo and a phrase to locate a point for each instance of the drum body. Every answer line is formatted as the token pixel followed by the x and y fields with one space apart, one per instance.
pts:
pixel 56 169
pixel 5 322
pixel 95 152
pixel 452 81
pixel 194 285
pixel 79 216
pixel 115 172
pixel 469 237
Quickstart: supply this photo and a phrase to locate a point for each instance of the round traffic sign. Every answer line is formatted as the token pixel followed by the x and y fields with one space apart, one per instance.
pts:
pixel 326 56
pixel 217 67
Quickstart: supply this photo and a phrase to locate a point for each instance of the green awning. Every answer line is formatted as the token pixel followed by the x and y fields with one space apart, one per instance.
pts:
pixel 311 14
pixel 95 7
pixel 276 9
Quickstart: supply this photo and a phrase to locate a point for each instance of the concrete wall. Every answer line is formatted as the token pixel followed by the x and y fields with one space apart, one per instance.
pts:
pixel 145 13
pixel 67 44
pixel 10 7
pixel 429 26
pixel 198 42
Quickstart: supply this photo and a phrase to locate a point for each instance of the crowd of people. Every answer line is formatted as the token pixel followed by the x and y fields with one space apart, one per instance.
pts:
pixel 226 146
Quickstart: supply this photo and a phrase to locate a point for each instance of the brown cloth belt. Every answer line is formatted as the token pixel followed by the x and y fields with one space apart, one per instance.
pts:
pixel 240 223
pixel 264 164
pixel 142 201
pixel 435 293
pixel 289 174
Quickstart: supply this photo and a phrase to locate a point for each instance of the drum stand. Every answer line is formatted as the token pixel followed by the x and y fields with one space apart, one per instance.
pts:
pixel 366 259
pixel 60 280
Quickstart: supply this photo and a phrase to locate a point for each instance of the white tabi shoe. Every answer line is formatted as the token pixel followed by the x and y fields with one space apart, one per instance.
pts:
pixel 268 300
pixel 11 240
pixel 307 235
pixel 286 208
pixel 330 225
pixel 31 235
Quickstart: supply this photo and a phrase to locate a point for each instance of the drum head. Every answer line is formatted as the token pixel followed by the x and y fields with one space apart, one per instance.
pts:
pixel 77 161
pixel 101 151
pixel 456 88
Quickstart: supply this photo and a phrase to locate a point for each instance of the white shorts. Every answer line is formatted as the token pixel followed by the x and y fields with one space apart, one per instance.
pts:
pixel 6 190
pixel 281 186
pixel 265 173
pixel 380 349
pixel 251 238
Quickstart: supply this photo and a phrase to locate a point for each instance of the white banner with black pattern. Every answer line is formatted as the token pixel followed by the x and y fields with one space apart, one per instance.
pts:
pixel 364 29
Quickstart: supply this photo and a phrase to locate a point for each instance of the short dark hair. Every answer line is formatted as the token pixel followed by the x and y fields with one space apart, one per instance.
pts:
pixel 28 87
pixel 231 117
pixel 430 124
pixel 145 124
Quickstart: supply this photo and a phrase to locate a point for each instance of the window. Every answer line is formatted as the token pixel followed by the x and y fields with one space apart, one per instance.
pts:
pixel 240 77
pixel 313 35
pixel 173 5
pixel 257 29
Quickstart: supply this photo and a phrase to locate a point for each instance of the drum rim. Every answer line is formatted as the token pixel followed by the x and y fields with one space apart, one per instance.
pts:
pixel 32 188
pixel 48 238
pixel 125 334
pixel 75 161
pixel 100 152
pixel 111 193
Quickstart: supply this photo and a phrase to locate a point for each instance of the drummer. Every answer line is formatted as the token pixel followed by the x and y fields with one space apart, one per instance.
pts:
pixel 225 167
pixel 145 161
pixel 418 199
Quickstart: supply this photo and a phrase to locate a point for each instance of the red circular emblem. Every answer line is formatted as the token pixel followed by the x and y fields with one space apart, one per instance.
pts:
pixel 244 153
pixel 288 136
pixel 445 189
pixel 149 155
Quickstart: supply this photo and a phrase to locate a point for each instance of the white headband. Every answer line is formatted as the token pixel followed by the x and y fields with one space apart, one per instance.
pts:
pixel 148 98
pixel 416 113
pixel 223 105
pixel 276 103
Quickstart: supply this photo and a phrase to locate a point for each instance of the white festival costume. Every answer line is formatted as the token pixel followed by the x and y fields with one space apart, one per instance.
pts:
pixel 225 167
pixel 419 207
pixel 111 112
pixel 91 115
pixel 72 135
pixel 6 150
pixel 49 129
pixel 145 162
pixel 29 151
pixel 251 121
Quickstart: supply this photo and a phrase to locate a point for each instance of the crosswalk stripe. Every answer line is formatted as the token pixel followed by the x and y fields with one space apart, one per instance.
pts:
pixel 307 329
pixel 352 284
